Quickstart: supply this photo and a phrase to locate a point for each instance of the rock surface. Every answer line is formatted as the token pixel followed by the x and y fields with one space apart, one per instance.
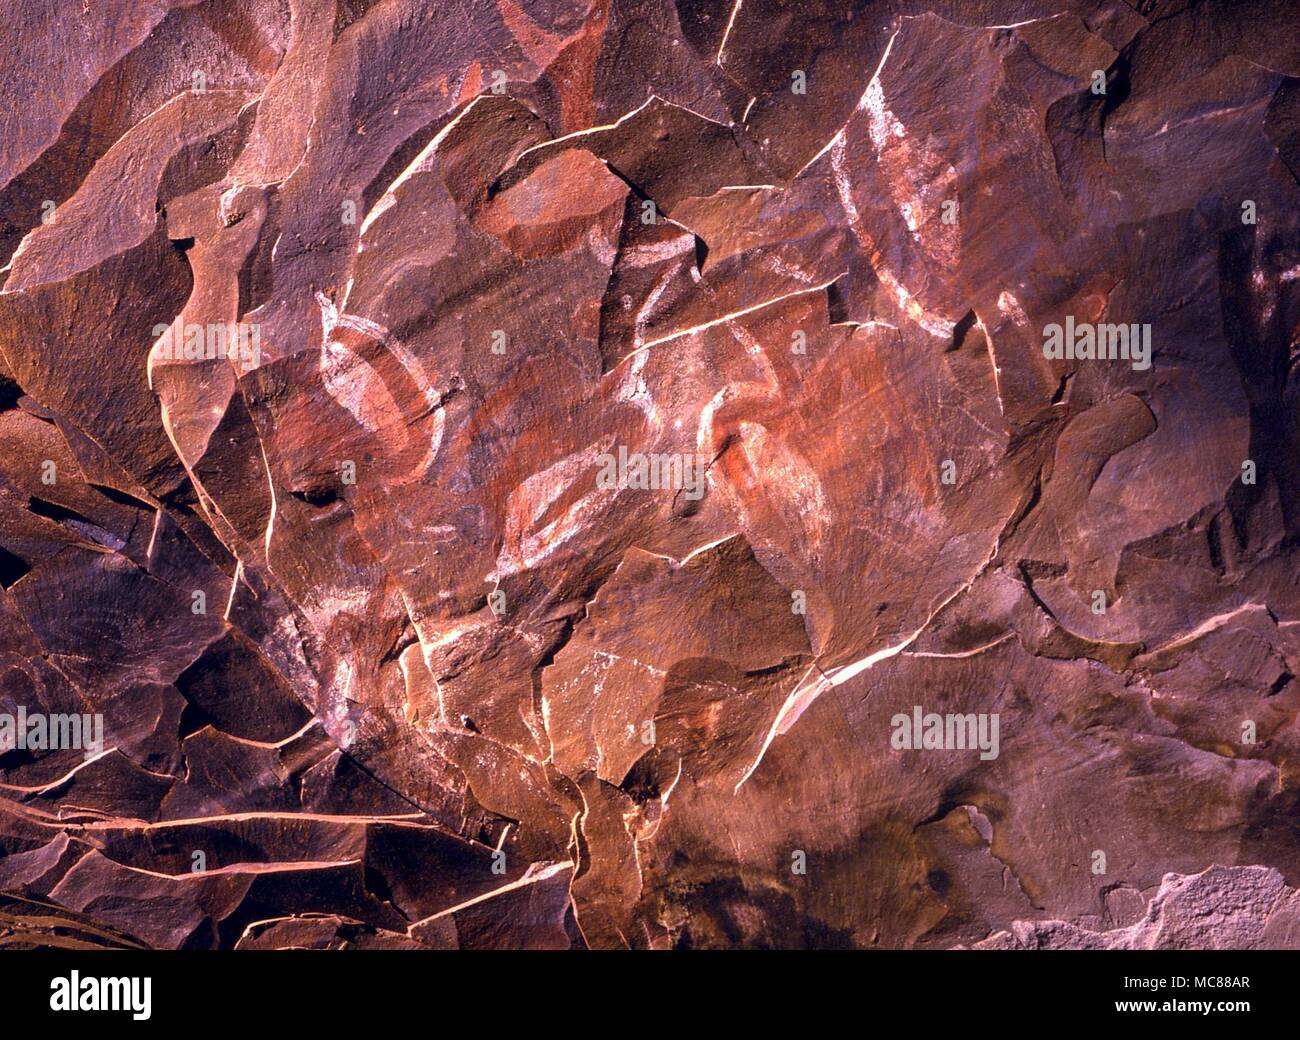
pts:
pixel 509 473
pixel 1223 908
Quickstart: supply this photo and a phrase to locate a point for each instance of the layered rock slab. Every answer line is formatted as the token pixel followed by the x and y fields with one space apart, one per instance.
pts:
pixel 605 422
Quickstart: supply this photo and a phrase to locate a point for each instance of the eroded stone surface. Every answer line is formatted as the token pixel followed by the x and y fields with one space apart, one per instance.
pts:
pixel 382 659
pixel 1222 908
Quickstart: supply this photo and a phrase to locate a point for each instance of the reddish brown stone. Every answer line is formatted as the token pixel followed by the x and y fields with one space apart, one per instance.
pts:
pixel 582 431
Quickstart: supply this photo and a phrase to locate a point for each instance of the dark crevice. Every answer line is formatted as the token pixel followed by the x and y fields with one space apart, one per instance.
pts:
pixel 122 498
pixel 317 496
pixel 637 190
pixel 1061 388
pixel 12 568
pixel 959 330
pixel 59 514
pixel 194 719
pixel 377 885
pixel 837 308
pixel 701 253
pixel 10 392
pixel 642 782
pixel 1214 545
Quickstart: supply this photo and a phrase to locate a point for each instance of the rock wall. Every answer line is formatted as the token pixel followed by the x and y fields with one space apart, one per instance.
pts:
pixel 625 473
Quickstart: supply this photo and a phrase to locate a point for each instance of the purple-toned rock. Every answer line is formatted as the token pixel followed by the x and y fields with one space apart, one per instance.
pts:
pixel 649 474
